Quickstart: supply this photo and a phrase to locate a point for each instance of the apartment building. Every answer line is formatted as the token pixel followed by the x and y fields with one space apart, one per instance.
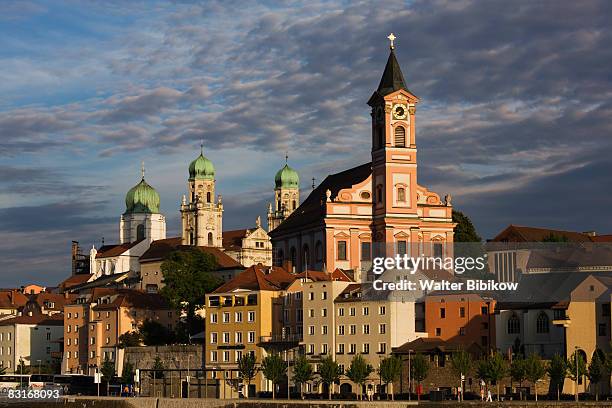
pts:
pixel 94 322
pixel 30 337
pixel 245 316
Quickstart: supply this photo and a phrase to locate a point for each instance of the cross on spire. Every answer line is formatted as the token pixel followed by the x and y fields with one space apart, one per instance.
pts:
pixel 142 169
pixel 392 38
pixel 201 146
pixel 286 157
pixel 313 183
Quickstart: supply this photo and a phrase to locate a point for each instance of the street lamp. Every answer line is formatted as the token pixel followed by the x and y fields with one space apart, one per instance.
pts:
pixel 39 363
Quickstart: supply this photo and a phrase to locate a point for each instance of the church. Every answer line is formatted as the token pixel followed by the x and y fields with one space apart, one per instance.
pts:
pixel 375 209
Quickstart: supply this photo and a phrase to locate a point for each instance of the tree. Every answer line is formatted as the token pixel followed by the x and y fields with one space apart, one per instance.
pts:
pixel 330 373
pixel 2 370
pixel 108 372
pixel 535 370
pixel 576 368
pixel 155 334
pixel 557 370
pixel 595 372
pixel 518 372
pixel 130 339
pixel 187 280
pixel 247 370
pixel 127 376
pixel 461 364
pixel 302 373
pixel 21 367
pixel 158 367
pixel 498 368
pixel 464 230
pixel 274 369
pixel 419 369
pixel 358 372
pixel 467 243
pixel 390 371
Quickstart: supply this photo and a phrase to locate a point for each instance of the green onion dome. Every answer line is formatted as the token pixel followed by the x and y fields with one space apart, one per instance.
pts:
pixel 201 169
pixel 142 198
pixel 287 178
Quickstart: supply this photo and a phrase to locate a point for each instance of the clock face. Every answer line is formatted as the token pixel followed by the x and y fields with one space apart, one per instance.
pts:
pixel 399 111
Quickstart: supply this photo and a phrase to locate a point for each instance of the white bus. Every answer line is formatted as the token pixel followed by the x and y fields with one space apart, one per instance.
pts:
pixel 14 381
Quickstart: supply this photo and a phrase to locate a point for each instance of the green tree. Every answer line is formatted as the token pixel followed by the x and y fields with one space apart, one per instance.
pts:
pixel 358 372
pixel 187 280
pixel 158 367
pixel 21 367
pixel 464 230
pixel 274 369
pixel 390 371
pixel 518 372
pixel 557 371
pixel 130 339
pixel 461 364
pixel 155 334
pixel 127 376
pixel 330 373
pixel 108 372
pixel 419 369
pixel 576 368
pixel 596 372
pixel 247 370
pixel 468 244
pixel 302 373
pixel 535 370
pixel 497 369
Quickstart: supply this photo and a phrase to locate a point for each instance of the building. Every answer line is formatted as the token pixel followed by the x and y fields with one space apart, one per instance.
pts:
pixel 151 277
pixel 286 195
pixel 11 301
pixel 375 208
pixel 461 319
pixel 249 246
pixel 557 313
pixel 94 322
pixel 244 316
pixel 31 338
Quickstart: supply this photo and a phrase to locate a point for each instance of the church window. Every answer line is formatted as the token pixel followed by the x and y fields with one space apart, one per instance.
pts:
pixel 401 194
pixel 342 250
pixel 279 205
pixel 379 137
pixel 210 239
pixel 319 251
pixel 279 258
pixel 294 204
pixel 514 325
pixel 437 250
pixel 542 323
pixel 208 197
pixel 140 232
pixel 401 247
pixel 366 251
pixel 293 254
pixel 191 239
pixel 379 194
pixel 400 137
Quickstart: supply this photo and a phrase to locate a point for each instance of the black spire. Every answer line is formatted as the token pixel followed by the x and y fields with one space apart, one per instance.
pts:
pixel 392 79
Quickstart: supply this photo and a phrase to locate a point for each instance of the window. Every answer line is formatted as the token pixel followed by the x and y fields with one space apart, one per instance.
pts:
pixel 323 295
pixel 366 251
pixel 352 311
pixel 379 194
pixel 324 312
pixel 226 356
pixel 238 317
pixel 366 311
pixel 213 356
pixel 401 247
pixel 140 232
pixel 324 348
pixel 400 136
pixel 442 313
pixel 210 239
pixel 341 330
pixel 366 329
pixel 251 316
pixel 48 336
pixel 352 329
pixel 462 331
pixel 324 329
pixel 340 348
pixel 484 310
pixel 213 338
pixel 311 296
pixel 514 325
pixel 226 337
pixel 437 250
pixel 542 325
pixel 108 340
pixel 382 348
pixel 251 337
pixel 238 337
pixel 602 329
pixel 208 197
pixel 382 310
pixel 352 348
pixel 318 251
pixel 462 311
pixel 311 313
pixel 107 327
pixel 226 317
pixel 365 348
pixel 401 194
pixel 341 311
pixel 311 330
pixel 382 328
pixel 238 356
pixel 213 318
pixel 438 331
pixel 342 250
pixel 311 349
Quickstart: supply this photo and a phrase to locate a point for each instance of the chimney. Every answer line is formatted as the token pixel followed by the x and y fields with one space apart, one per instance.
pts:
pixel 590 233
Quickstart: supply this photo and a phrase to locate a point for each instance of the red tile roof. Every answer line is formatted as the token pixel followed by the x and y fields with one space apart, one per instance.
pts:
pixel 519 233
pixel 74 280
pixel 336 275
pixel 108 251
pixel 161 249
pixel 40 319
pixel 259 277
pixel 232 240
pixel 12 298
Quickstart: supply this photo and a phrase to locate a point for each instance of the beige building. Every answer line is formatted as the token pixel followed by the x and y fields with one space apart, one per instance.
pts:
pixel 341 321
pixel 249 246
pixel 94 322
pixel 32 338
pixel 245 316
pixel 11 301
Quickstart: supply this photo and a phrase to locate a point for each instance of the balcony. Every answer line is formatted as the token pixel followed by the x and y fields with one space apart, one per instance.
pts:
pixel 283 341
pixel 563 321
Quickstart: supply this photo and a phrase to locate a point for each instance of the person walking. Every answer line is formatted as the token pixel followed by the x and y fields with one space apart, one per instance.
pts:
pixel 489 396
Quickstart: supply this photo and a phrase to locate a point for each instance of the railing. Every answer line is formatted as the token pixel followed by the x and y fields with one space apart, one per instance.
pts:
pixel 281 338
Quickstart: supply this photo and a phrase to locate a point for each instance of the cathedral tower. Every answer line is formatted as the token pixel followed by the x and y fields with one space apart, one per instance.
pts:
pixel 201 216
pixel 394 153
pixel 286 195
pixel 142 219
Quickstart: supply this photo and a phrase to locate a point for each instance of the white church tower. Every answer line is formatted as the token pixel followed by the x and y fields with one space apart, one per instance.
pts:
pixel 201 215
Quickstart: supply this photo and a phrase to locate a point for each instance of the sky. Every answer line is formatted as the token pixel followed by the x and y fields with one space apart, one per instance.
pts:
pixel 514 119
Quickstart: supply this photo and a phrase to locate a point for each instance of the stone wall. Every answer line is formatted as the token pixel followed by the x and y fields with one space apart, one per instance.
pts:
pixel 174 356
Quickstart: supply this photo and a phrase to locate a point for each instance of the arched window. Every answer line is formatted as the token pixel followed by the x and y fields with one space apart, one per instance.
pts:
pixel 400 137
pixel 306 257
pixel 379 195
pixel 278 261
pixel 210 239
pixel 319 251
pixel 401 194
pixel 279 205
pixel 294 204
pixel 514 325
pixel 140 232
pixel 542 323
pixel 208 197
pixel 293 254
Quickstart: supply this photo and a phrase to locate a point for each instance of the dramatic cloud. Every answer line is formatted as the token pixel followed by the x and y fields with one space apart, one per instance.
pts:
pixel 514 116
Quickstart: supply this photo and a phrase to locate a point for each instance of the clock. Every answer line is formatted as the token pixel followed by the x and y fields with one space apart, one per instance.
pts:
pixel 399 111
